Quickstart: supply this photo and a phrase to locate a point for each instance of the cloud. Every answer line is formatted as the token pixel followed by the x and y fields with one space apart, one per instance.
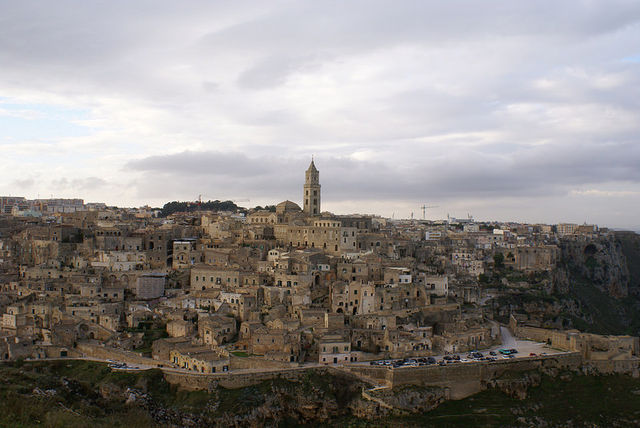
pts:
pixel 469 103
pixel 605 193
pixel 530 172
pixel 202 163
pixel 24 184
pixel 78 184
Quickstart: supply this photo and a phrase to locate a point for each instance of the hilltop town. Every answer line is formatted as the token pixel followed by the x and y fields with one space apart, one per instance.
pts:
pixel 215 292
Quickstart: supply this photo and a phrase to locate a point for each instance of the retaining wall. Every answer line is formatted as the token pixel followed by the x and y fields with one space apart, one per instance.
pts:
pixel 630 367
pixel 465 379
pixel 239 363
pixel 231 380
pixel 106 353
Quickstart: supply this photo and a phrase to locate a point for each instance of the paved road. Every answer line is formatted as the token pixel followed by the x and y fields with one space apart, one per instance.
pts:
pixel 508 341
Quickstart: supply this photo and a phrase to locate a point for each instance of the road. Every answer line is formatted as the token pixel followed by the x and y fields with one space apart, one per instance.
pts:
pixel 508 341
pixel 524 347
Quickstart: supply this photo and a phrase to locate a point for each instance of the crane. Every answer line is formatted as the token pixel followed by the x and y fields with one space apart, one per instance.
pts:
pixel 424 210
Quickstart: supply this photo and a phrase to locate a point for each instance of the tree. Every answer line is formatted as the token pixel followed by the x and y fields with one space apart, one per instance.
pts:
pixel 498 260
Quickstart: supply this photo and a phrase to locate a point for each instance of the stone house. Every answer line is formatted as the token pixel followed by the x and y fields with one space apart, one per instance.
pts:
pixel 200 359
pixel 334 349
pixel 216 329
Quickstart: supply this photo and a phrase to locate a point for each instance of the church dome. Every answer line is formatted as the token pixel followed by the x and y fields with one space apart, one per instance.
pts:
pixel 287 206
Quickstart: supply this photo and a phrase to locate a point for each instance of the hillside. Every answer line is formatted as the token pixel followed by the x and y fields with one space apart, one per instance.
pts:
pixel 80 394
pixel 594 288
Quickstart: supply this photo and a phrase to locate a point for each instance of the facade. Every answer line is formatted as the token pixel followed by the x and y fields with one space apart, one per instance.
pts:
pixel 201 359
pixel 334 349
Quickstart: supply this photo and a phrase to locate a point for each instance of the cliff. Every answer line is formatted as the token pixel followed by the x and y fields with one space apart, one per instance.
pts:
pixel 595 288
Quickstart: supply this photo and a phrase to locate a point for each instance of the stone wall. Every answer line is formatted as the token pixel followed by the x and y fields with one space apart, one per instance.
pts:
pixel 241 363
pixel 565 341
pixel 630 367
pixel 465 379
pixel 593 347
pixel 231 380
pixel 377 374
pixel 106 353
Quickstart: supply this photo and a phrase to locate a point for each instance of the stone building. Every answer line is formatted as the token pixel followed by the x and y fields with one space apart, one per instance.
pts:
pixel 312 191
pixel 334 349
pixel 201 359
pixel 216 329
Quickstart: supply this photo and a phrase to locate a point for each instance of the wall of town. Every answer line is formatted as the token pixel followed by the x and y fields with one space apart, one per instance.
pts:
pixel 194 382
pixel 463 379
pixel 104 353
pixel 630 367
pixel 243 363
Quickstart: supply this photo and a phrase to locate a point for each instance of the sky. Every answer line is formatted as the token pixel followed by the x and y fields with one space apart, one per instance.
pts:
pixel 503 110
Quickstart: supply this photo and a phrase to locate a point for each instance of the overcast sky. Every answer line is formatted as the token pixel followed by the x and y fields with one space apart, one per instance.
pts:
pixel 508 110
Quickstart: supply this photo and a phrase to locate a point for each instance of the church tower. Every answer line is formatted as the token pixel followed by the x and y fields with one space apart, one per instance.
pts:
pixel 312 190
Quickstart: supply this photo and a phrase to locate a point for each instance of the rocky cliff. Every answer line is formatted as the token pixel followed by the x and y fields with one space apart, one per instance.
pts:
pixel 601 263
pixel 595 287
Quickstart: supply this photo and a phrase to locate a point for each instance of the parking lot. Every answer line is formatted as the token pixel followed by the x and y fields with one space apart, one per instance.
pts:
pixel 522 348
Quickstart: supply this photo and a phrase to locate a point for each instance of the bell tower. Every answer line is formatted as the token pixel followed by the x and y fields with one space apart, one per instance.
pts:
pixel 312 190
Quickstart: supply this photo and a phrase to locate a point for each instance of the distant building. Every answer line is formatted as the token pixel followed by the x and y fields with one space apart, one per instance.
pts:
pixel 7 203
